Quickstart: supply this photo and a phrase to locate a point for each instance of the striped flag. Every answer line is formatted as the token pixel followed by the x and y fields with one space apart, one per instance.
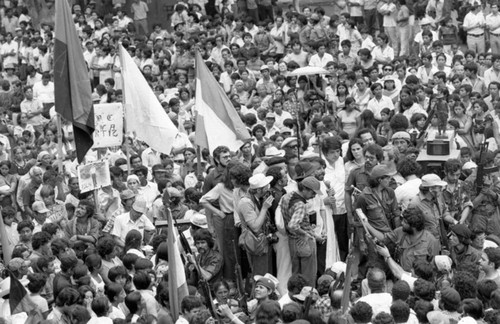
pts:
pixel 144 114
pixel 177 284
pixel 73 93
pixel 217 122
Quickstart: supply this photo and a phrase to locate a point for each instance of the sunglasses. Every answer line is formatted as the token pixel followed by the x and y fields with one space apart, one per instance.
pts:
pixel 388 70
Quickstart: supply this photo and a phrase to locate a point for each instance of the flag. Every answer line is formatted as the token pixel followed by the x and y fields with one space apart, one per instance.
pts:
pixel 19 299
pixel 73 93
pixel 6 246
pixel 177 284
pixel 217 122
pixel 144 114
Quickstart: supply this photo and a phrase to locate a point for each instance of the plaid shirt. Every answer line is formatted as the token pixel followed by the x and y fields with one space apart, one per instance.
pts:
pixel 293 209
pixel 324 306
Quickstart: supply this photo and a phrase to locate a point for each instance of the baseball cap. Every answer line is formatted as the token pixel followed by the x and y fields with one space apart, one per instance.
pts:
pixel 140 205
pixel 304 170
pixel 270 115
pixel 379 171
pixel 127 194
pixel 432 180
pixel 264 67
pixel 313 184
pixel 39 207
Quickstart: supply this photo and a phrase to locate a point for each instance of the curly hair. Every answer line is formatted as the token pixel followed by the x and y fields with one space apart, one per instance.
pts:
pixel 465 284
pixel 240 173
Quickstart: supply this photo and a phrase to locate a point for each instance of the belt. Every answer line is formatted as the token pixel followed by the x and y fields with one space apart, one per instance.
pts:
pixel 474 35
pixel 497 35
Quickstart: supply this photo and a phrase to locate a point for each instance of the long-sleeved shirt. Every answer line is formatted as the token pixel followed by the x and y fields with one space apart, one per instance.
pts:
pixel 432 210
pixel 293 209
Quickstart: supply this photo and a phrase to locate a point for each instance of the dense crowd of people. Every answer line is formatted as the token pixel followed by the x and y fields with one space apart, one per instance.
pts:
pixel 368 192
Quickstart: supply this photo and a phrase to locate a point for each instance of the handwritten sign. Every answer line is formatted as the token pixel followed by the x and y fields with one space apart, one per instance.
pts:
pixel 108 125
pixel 94 176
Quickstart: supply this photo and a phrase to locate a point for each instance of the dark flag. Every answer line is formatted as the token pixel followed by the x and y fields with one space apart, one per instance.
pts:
pixel 73 93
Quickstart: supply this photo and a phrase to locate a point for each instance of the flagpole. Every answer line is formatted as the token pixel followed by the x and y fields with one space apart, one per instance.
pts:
pixel 59 145
pixel 124 109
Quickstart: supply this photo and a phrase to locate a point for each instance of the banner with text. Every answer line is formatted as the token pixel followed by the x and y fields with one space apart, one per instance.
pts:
pixel 108 125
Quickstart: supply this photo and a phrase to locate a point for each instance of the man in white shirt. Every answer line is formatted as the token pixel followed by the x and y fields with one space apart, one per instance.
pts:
pixel 474 24
pixel 378 299
pixel 279 114
pixel 297 55
pixel 390 12
pixel 379 101
pixel 493 73
pixel 335 182
pixel 135 219
pixel 44 92
pixel 493 26
pixel 321 58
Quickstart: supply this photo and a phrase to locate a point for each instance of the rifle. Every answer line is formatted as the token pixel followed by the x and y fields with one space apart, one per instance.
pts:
pixel 420 141
pixel 202 282
pixel 445 244
pixel 479 183
pixel 368 235
pixel 242 300
pixel 346 294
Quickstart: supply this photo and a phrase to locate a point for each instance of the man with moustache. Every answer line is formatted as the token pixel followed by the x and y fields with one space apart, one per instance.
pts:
pixel 413 242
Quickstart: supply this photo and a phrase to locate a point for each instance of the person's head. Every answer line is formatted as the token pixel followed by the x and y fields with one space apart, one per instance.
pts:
pixel 25 230
pixel 267 312
pixel 413 221
pixel 331 148
pixel 85 209
pixel 361 312
pixel 40 242
pixel 133 301
pixel 100 306
pixel 45 264
pixel 422 308
pixel 400 311
pixel 450 300
pixel 190 306
pixel 222 155
pixel 142 280
pixel 8 215
pixel 383 318
pixel 203 240
pixel 373 154
pixel 309 187
pixel 490 260
pixel 473 307
pixel 367 136
pixel 118 275
pixel 68 262
pixel 36 282
pixel 221 290
pixel 376 280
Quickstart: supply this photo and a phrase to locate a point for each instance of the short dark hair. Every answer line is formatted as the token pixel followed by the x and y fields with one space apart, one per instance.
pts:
pixel 361 312
pixel 142 280
pixel 189 303
pixel 493 256
pixel 39 239
pixel 400 311
pixel 415 218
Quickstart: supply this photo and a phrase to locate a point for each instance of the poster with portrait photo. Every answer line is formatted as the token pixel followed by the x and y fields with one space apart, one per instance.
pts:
pixel 94 176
